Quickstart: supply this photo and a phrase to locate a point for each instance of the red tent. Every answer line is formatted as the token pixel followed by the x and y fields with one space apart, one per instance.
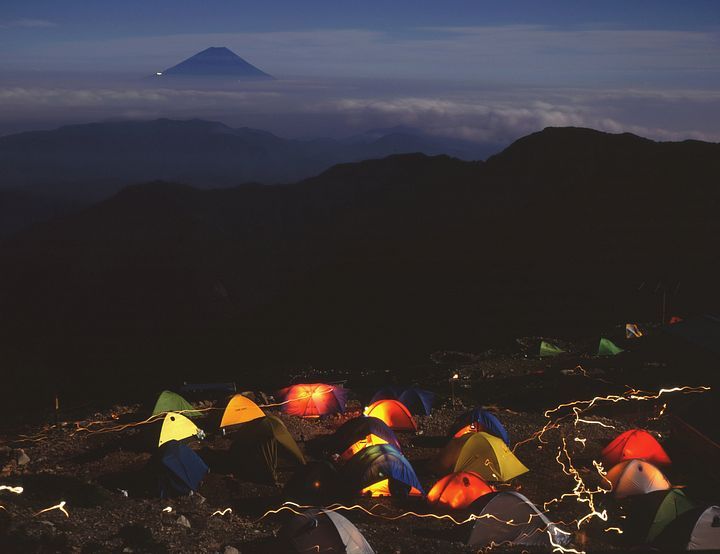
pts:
pixel 635 444
pixel 313 400
pixel 393 413
pixel 458 490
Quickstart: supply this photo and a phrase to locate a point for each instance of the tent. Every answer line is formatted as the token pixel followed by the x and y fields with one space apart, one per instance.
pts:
pixel 322 531
pixel 635 444
pixel 649 514
pixel 313 400
pixel 485 454
pixel 606 347
pixel 636 477
pixel 169 401
pixel 529 526
pixel 255 448
pixel 314 483
pixel 358 433
pixel 479 420
pixel 458 490
pixel 417 401
pixel 633 331
pixel 706 533
pixel 179 469
pixel 548 349
pixel 380 470
pixel 240 409
pixel 393 413
pixel 177 427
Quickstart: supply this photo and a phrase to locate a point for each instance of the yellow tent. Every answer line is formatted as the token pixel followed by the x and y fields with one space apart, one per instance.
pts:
pixel 485 454
pixel 177 427
pixel 240 409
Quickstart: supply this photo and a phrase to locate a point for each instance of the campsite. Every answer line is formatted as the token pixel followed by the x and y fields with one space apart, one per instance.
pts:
pixel 457 460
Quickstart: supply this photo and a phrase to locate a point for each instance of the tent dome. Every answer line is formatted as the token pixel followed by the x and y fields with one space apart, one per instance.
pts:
pixel 358 433
pixel 458 490
pixel 322 531
pixel 485 454
pixel 380 470
pixel 177 427
pixel 179 469
pixel 635 444
pixel 393 413
pixel 240 409
pixel 636 477
pixel 313 399
pixel 477 420
pixel 416 400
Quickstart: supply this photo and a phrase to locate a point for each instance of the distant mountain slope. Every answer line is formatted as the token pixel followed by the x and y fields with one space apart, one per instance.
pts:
pixel 98 159
pixel 378 262
pixel 215 62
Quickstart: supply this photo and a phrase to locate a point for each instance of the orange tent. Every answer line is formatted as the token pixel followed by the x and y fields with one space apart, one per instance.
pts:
pixel 632 445
pixel 458 490
pixel 313 399
pixel 393 413
pixel 240 409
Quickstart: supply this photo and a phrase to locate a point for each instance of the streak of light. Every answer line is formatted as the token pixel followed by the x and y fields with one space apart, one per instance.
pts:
pixel 117 428
pixel 221 512
pixel 581 441
pixel 167 509
pixel 615 529
pixel 578 419
pixel 60 506
pixel 16 490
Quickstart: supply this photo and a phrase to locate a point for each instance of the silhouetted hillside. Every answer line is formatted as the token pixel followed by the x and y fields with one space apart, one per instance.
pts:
pixel 378 262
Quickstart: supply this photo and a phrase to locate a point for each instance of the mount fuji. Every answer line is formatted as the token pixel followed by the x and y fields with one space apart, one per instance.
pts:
pixel 215 62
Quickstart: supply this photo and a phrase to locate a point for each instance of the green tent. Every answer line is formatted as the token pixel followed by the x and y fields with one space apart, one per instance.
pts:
pixel 608 348
pixel 649 514
pixel 169 401
pixel 255 449
pixel 548 349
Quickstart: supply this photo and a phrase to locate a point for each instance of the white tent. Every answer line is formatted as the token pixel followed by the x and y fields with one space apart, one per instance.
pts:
pixel 351 536
pixel 636 477
pixel 511 517
pixel 706 533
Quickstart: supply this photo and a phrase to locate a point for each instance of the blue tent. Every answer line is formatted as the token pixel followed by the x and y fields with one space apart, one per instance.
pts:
pixel 483 421
pixel 417 401
pixel 180 470
pixel 378 463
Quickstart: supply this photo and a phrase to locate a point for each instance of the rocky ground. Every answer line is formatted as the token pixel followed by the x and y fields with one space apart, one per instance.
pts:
pixel 110 505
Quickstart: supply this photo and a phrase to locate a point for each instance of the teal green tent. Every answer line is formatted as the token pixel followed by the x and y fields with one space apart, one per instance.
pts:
pixel 169 401
pixel 548 349
pixel 608 348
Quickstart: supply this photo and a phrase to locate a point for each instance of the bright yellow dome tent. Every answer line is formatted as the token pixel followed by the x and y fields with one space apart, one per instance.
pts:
pixel 177 427
pixel 240 409
pixel 485 454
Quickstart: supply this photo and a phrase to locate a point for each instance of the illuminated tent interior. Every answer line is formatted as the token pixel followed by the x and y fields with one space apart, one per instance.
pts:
pixel 528 527
pixel 322 531
pixel 606 347
pixel 548 350
pixel 416 400
pixel 380 470
pixel 706 531
pixel 485 454
pixel 358 433
pixel 177 427
pixel 477 420
pixel 633 331
pixel 239 410
pixel 258 444
pixel 313 400
pixel 179 469
pixel 635 444
pixel 393 413
pixel 458 490
pixel 169 401
pixel 648 515
pixel 636 477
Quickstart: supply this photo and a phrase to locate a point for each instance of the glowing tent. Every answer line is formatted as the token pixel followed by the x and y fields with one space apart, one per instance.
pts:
pixel 169 401
pixel 321 531
pixel 358 433
pixel 606 347
pixel 179 469
pixel 393 413
pixel 706 532
pixel 485 454
pixel 240 409
pixel 313 400
pixel 636 477
pixel 528 527
pixel 417 401
pixel 257 445
pixel 177 427
pixel 548 349
pixel 649 514
pixel 380 470
pixel 635 444
pixel 633 331
pixel 477 420
pixel 458 490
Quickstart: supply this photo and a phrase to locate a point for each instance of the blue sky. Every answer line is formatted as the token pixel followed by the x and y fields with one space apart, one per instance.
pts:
pixel 649 66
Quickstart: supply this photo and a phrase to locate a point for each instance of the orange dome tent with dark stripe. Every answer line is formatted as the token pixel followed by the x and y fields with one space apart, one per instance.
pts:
pixel 635 444
pixel 313 399
pixel 458 490
pixel 393 413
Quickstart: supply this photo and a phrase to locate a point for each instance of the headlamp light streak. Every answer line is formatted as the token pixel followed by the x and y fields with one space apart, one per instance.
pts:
pixel 16 490
pixel 60 506
pixel 221 512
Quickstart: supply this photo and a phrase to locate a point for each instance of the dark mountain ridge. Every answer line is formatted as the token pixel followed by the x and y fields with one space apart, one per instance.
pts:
pixel 371 263
pixel 216 61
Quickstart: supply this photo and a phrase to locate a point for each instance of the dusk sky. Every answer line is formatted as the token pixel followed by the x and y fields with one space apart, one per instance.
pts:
pixel 481 70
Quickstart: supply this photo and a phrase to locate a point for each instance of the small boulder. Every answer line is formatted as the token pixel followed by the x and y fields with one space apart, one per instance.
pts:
pixel 185 522
pixel 22 458
pixel 231 550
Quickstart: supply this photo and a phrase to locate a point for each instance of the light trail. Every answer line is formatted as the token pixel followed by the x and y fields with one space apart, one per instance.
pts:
pixel 221 512
pixel 16 490
pixel 60 506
